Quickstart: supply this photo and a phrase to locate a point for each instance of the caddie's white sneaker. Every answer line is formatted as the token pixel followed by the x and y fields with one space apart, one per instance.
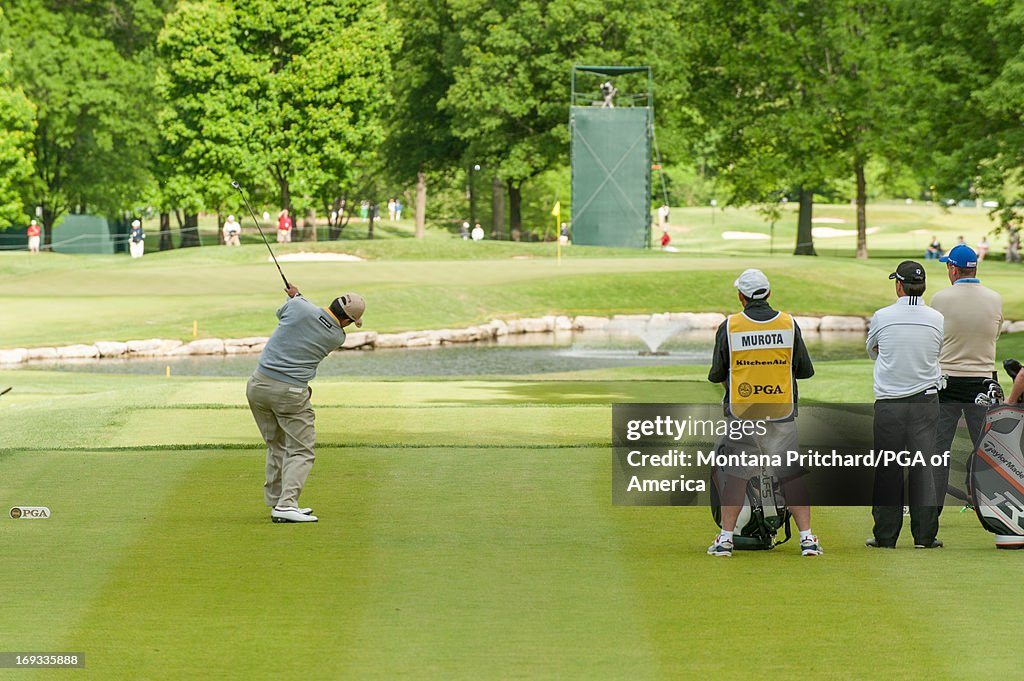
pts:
pixel 290 514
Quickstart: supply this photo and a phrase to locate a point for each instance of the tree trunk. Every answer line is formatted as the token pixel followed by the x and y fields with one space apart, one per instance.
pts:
pixel 804 237
pixel 190 231
pixel 309 225
pixel 336 221
pixel 497 209
pixel 373 214
pixel 862 214
pixel 515 204
pixel 220 228
pixel 421 204
pixel 48 220
pixel 286 198
pixel 165 232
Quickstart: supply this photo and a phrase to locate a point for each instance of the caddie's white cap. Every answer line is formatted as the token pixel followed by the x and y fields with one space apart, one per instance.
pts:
pixel 753 284
pixel 136 223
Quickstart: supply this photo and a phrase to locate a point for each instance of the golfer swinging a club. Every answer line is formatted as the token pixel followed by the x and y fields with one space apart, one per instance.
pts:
pixel 279 392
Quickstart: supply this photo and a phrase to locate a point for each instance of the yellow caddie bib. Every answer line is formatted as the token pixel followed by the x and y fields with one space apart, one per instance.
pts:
pixel 761 381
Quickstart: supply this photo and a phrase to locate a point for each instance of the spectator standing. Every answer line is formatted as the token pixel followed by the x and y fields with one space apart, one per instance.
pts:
pixel 137 239
pixel 904 339
pixel 284 227
pixel 663 212
pixel 398 209
pixel 232 230
pixel 973 318
pixel 34 233
pixel 391 210
pixel 982 249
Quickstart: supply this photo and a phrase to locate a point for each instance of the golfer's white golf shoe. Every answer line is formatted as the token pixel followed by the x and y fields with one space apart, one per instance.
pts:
pixel 291 514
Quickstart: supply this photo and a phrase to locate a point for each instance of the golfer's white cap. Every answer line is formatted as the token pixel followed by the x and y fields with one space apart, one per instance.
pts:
pixel 753 284
pixel 231 218
pixel 352 305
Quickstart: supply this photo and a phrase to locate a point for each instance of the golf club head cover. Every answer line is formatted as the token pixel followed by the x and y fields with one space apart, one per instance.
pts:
pixel 1012 367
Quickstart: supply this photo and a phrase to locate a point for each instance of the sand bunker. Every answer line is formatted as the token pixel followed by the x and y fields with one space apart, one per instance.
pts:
pixel 832 232
pixel 302 256
pixel 744 235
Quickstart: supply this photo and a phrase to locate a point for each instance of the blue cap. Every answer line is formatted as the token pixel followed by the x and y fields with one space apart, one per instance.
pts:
pixel 961 255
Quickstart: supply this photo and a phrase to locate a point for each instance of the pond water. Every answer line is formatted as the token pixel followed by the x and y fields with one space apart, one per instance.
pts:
pixel 509 355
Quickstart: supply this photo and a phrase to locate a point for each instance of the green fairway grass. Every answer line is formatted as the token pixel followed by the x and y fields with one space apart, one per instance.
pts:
pixel 467 528
pixel 233 292
pixel 466 532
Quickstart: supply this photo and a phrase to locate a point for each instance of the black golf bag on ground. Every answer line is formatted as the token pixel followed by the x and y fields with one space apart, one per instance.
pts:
pixel 996 470
pixel 763 515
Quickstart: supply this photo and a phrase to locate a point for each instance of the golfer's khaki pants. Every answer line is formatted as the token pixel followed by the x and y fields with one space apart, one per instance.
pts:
pixel 285 419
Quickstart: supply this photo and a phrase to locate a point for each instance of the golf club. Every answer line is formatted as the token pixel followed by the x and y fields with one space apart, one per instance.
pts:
pixel 242 194
pixel 6 390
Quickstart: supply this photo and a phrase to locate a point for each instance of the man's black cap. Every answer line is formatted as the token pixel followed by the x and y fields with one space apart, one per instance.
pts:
pixel 909 272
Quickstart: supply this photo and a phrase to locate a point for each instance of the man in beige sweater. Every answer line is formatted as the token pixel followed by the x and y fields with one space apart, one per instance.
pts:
pixel 973 319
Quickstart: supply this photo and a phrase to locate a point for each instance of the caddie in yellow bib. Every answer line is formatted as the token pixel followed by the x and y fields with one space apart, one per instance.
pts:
pixel 761 367
pixel 759 355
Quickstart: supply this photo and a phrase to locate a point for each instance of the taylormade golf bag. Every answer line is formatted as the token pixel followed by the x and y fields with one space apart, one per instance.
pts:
pixel 763 514
pixel 996 469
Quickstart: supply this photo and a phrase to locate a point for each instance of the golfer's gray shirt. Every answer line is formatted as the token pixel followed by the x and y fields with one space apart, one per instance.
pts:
pixel 904 339
pixel 305 335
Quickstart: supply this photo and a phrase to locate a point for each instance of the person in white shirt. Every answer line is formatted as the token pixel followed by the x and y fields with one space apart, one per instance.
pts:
pixel 478 233
pixel 904 339
pixel 137 239
pixel 231 231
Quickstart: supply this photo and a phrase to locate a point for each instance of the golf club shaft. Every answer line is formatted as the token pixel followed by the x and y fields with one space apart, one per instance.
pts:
pixel 273 257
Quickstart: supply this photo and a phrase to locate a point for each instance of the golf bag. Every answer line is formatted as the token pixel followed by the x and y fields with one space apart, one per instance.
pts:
pixel 995 470
pixel 763 515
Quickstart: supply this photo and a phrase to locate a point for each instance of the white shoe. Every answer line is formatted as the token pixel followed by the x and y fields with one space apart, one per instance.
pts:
pixel 291 514
pixel 305 511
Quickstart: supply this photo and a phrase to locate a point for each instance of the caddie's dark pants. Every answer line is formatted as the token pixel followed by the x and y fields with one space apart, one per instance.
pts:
pixel 955 399
pixel 907 423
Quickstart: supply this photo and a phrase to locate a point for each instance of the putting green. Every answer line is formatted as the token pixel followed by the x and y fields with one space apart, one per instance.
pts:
pixel 466 532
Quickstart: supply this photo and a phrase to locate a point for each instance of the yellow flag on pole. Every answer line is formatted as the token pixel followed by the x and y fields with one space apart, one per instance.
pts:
pixel 557 210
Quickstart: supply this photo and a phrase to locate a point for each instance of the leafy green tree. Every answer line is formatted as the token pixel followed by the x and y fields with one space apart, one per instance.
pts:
pixel 420 140
pixel 87 69
pixel 970 59
pixel 867 86
pixel 798 93
pixel 17 127
pixel 287 96
pixel 206 83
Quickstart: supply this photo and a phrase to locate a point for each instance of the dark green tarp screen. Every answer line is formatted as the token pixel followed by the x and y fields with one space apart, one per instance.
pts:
pixel 83 234
pixel 611 176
